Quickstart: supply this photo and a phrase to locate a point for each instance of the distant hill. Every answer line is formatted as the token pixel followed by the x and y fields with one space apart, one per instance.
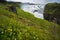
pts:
pixel 52 9
pixel 24 26
pixel 2 1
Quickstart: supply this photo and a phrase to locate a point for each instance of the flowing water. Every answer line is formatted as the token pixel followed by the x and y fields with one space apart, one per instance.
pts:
pixel 36 10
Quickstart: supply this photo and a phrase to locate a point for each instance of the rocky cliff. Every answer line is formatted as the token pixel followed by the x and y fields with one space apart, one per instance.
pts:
pixel 52 12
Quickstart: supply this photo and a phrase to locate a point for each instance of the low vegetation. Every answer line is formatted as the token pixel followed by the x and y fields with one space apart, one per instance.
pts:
pixel 24 26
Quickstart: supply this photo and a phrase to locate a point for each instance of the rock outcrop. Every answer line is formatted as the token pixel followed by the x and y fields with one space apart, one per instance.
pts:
pixel 52 12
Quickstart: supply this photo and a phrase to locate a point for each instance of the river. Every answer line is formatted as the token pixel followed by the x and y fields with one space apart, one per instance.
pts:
pixel 36 10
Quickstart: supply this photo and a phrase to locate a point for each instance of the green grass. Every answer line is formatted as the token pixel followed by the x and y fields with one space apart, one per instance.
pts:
pixel 24 26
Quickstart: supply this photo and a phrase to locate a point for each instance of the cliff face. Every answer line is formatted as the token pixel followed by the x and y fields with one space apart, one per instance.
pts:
pixel 51 11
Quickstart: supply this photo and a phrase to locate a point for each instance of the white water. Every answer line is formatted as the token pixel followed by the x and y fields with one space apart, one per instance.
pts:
pixel 36 14
pixel 31 8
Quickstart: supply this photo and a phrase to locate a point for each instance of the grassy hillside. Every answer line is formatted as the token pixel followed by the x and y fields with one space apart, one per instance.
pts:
pixel 24 26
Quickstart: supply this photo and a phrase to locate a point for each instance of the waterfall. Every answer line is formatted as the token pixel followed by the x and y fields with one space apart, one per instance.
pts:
pixel 35 9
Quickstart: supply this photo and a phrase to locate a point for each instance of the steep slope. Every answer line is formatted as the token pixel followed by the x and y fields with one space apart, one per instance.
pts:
pixel 24 26
pixel 52 9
